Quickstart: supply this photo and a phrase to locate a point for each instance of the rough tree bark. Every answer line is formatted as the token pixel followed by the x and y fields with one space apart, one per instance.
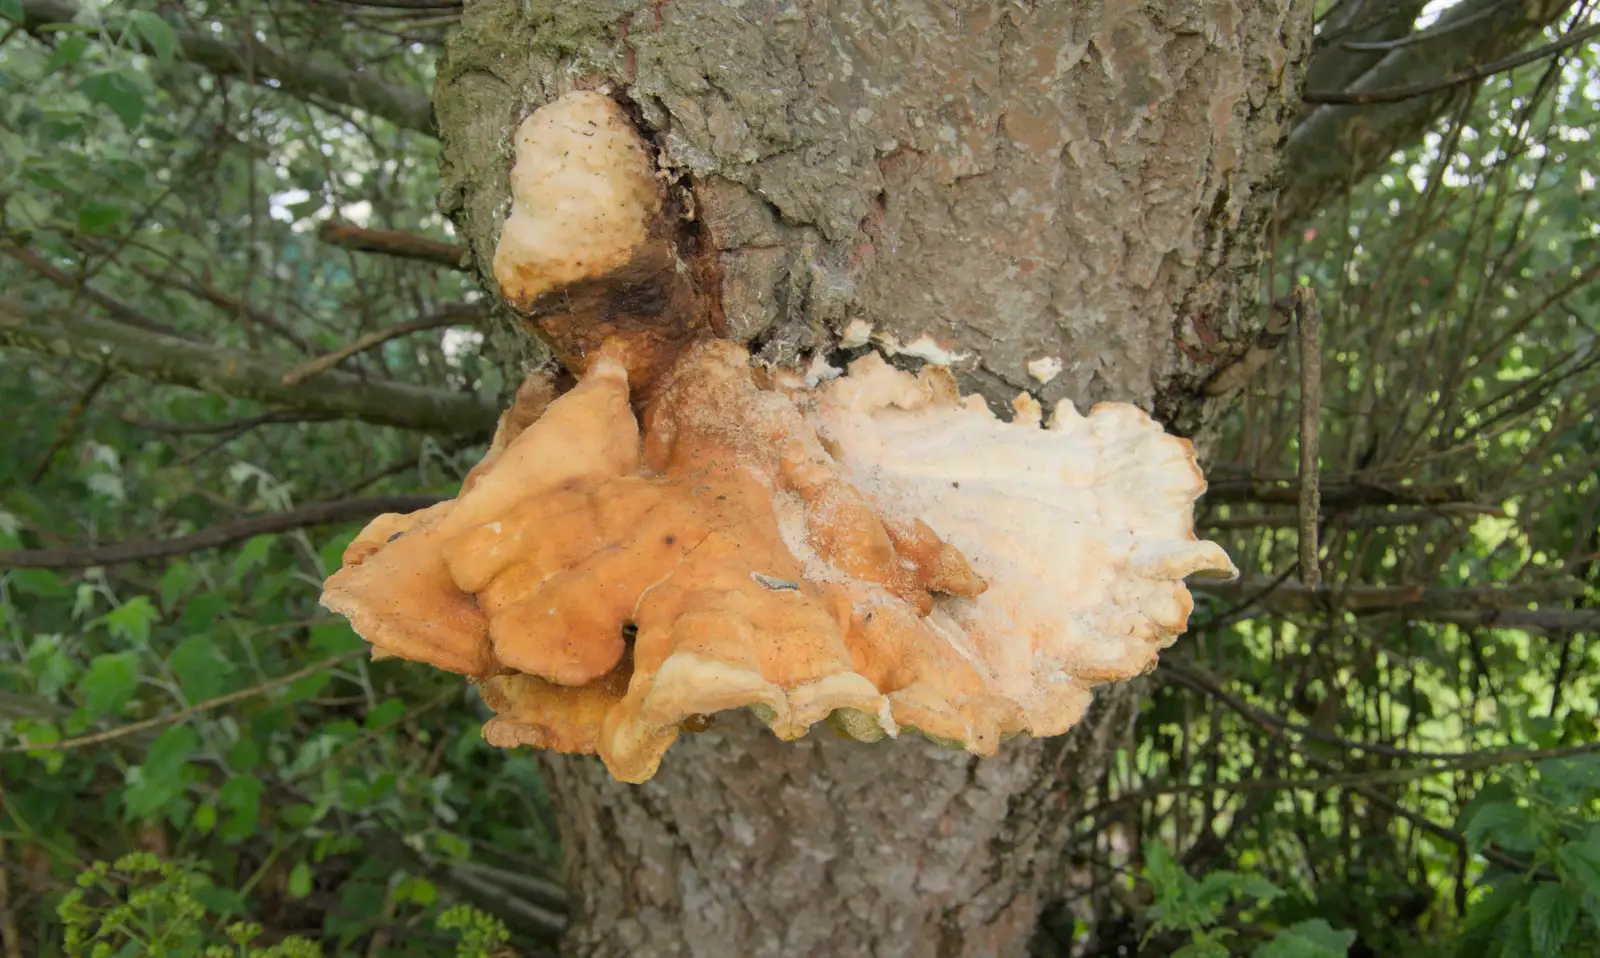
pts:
pixel 1022 186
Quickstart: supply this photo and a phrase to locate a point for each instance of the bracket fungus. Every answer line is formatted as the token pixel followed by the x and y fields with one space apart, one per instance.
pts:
pixel 681 533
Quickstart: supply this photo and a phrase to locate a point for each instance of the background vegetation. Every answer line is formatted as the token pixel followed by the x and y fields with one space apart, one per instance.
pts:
pixel 1401 761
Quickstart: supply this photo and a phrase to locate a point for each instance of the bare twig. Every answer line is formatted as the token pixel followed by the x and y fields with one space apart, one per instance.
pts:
pixel 238 373
pixel 1338 494
pixel 1471 75
pixel 316 514
pixel 133 728
pixel 70 424
pixel 231 425
pixel 1310 322
pixel 120 311
pixel 455 315
pixel 392 243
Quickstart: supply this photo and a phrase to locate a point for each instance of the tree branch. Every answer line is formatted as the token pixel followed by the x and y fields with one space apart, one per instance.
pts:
pixel 1336 146
pixel 119 310
pixel 1470 75
pixel 256 63
pixel 315 514
pixel 240 374
pixel 1498 606
pixel 391 243
pixel 459 314
pixel 1337 494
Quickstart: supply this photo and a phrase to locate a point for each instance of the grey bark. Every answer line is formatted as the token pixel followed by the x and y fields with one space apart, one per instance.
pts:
pixel 1082 182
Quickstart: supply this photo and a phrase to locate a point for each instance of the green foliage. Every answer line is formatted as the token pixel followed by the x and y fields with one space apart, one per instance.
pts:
pixel 1194 909
pixel 1317 767
pixel 143 906
pixel 1544 881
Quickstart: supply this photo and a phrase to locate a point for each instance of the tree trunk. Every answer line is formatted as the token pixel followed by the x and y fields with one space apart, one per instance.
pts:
pixel 1062 198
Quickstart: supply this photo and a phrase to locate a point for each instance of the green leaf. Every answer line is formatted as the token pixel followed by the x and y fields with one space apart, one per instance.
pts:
pixel 1163 870
pixel 1580 861
pixel 50 665
pixel 1495 820
pixel 95 217
pixel 131 620
pixel 241 796
pixel 163 42
pixel 117 93
pixel 40 582
pixel 1552 911
pixel 416 889
pixel 244 755
pixel 253 554
pixel 1308 939
pixel 333 638
pixel 1216 887
pixel 387 712
pixel 202 671
pixel 175 583
pixel 201 611
pixel 160 779
pixel 109 683
pixel 205 818
pixel 1580 772
pixel 300 880
pixel 11 10
pixel 69 50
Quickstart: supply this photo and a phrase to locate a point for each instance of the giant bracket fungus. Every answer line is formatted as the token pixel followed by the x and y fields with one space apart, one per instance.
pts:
pixel 682 533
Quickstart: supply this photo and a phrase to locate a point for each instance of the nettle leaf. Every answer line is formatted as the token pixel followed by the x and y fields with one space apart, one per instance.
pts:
pixel 175 583
pixel 202 671
pixel 109 683
pixel 118 93
pixel 98 218
pixel 132 620
pixel 334 638
pixel 386 713
pixel 153 785
pixel 1581 863
pixel 1218 886
pixel 49 664
pixel 69 50
pixel 1496 821
pixel 201 611
pixel 40 582
pixel 163 42
pixel 1308 939
pixel 1552 911
pixel 253 554
pixel 1579 772
pixel 1163 870
pixel 241 796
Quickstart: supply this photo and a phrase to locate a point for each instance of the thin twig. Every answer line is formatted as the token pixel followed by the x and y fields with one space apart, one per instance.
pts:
pixel 231 425
pixel 1471 75
pixel 391 243
pixel 1309 320
pixel 315 514
pixel 70 424
pixel 454 315
pixel 133 728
